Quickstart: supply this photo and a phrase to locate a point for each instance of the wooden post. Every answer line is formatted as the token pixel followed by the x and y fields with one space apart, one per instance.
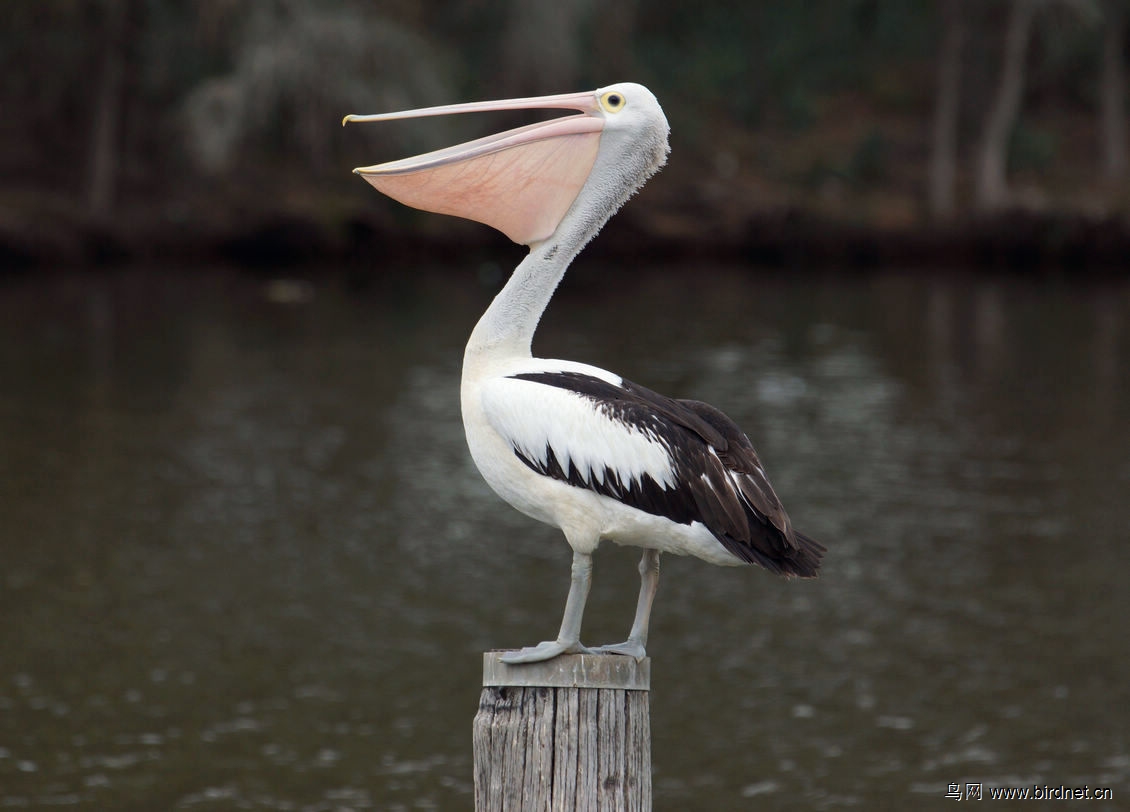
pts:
pixel 573 733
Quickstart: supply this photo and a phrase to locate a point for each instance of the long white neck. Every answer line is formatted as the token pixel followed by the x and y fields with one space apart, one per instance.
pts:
pixel 506 329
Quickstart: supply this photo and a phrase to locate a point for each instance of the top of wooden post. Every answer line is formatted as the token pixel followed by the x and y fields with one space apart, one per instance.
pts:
pixel 570 671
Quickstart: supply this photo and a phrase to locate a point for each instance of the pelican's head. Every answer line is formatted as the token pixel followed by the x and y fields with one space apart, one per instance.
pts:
pixel 525 181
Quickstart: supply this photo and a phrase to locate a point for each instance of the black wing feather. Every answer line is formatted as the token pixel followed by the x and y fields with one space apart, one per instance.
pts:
pixel 722 482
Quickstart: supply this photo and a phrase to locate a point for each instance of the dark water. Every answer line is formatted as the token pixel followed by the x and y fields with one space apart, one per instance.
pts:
pixel 246 563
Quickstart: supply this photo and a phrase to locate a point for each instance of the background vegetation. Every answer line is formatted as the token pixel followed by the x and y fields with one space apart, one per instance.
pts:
pixel 157 127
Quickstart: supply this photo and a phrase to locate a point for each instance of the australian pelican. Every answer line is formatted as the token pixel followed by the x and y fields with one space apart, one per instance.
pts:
pixel 567 443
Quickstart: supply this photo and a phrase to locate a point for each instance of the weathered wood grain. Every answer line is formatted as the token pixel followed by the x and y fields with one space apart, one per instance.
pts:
pixel 564 747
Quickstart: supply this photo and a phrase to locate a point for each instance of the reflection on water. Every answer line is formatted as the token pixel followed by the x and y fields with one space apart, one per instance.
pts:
pixel 245 561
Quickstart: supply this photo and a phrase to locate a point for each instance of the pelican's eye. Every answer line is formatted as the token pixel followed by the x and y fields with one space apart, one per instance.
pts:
pixel 612 101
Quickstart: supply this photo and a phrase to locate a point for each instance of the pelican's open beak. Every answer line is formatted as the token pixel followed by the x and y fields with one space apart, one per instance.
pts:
pixel 521 181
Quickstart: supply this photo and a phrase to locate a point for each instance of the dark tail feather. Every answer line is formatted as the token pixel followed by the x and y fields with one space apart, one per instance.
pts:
pixel 778 556
pixel 805 561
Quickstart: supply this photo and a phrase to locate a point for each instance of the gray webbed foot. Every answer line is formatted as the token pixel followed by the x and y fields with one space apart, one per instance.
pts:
pixel 629 648
pixel 545 650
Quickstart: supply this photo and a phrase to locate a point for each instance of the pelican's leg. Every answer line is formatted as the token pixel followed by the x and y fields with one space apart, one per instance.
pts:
pixel 649 583
pixel 569 638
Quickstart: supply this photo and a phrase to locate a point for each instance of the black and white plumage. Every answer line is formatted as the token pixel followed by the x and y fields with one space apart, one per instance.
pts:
pixel 570 444
pixel 711 477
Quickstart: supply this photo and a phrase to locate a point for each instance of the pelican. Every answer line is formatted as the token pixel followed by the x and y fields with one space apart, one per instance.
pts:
pixel 569 444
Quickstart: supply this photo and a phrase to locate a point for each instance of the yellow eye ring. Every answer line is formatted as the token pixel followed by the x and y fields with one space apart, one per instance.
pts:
pixel 613 101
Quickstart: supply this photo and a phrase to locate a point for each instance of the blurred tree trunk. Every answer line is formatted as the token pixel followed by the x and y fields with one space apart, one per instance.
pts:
pixel 991 188
pixel 108 103
pixel 1113 92
pixel 542 45
pixel 943 157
